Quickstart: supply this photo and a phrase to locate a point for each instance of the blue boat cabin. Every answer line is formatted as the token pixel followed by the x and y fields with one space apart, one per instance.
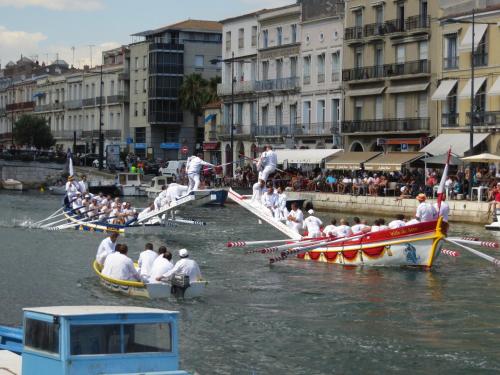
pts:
pixel 74 340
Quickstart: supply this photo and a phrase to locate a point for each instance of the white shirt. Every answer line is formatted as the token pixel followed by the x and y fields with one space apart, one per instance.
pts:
pixel 425 212
pixel 299 220
pixel 146 259
pixel 444 210
pixel 120 267
pixel 71 188
pixel 105 248
pixel 313 225
pixel 269 159
pixel 282 200
pixel 343 231
pixel 375 228
pixel 396 224
pixel 160 267
pixel 412 222
pixel 175 191
pixel 194 165
pixel 83 186
pixel 269 200
pixel 358 228
pixel 329 230
pixel 185 266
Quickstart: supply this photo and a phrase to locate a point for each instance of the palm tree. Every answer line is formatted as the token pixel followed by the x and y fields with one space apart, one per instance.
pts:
pixel 212 89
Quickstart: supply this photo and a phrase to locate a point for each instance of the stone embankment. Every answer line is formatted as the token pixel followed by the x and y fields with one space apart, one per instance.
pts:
pixel 464 211
pixel 31 174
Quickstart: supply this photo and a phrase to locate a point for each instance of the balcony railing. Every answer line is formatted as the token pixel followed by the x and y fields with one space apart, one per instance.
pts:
pixel 20 106
pixel 480 59
pixel 238 129
pixel 315 129
pixel 273 131
pixel 481 118
pixel 387 70
pixel 386 125
pixel 335 76
pixel 66 134
pixel 89 102
pixel 115 99
pixel 389 27
pixel 240 87
pixel 449 120
pixel 108 134
pixel 321 78
pixel 281 84
pixel 450 62
pixel 73 104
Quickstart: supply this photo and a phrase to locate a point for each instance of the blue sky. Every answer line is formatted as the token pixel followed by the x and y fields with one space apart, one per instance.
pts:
pixel 45 28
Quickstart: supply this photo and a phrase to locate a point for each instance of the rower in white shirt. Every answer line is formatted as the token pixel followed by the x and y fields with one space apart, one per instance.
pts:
pixel 193 169
pixel 313 225
pixel 295 218
pixel 267 163
pixel 281 211
pixel 329 230
pixel 359 226
pixel 145 262
pixel 376 226
pixel 343 230
pixel 425 211
pixel 119 266
pixel 106 247
pixel 184 266
pixel 161 265
pixel 270 200
pixel 398 223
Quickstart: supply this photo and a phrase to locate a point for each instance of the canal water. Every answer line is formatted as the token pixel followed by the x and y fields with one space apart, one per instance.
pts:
pixel 292 318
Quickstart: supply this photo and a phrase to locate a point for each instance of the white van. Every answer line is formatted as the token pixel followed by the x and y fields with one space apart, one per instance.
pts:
pixel 172 169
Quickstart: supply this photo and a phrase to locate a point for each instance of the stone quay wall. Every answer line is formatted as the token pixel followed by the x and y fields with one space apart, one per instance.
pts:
pixel 29 173
pixel 464 211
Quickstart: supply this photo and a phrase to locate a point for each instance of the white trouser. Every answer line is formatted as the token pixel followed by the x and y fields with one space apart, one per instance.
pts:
pixel 314 234
pixel 294 226
pixel 194 182
pixel 264 174
pixel 280 213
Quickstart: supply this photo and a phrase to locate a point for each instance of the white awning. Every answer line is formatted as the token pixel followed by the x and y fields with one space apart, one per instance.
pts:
pixel 458 142
pixel 366 92
pixel 444 89
pixel 465 93
pixel 495 89
pixel 295 156
pixel 466 43
pixel 407 88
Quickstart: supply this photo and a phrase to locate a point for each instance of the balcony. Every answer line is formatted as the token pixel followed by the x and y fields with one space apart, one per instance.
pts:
pixel 450 63
pixel 410 24
pixel 315 129
pixel 239 131
pixel 240 87
pixel 321 78
pixel 73 104
pixel 449 120
pixel 417 125
pixel 485 119
pixel 273 131
pixel 166 47
pixel 90 102
pixel 387 71
pixel 480 59
pixel 20 106
pixel 66 134
pixel 117 99
pixel 43 108
pixel 108 134
pixel 280 84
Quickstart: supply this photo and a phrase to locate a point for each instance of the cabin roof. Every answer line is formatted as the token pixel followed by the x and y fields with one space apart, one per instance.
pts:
pixel 95 310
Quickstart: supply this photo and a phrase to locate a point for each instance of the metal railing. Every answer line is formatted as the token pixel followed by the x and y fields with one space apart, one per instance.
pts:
pixel 315 129
pixel 386 125
pixel 449 120
pixel 108 133
pixel 450 62
pixel 281 84
pixel 387 70
pixel 73 104
pixel 480 59
pixel 273 130
pixel 240 87
pixel 114 99
pixel 321 77
pixel 89 102
pixel 388 27
pixel 485 118
pixel 20 106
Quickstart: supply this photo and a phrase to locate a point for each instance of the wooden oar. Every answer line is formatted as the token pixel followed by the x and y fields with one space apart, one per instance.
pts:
pixel 251 243
pixel 72 225
pixel 495 261
pixel 49 217
pixel 67 213
pixel 273 249
pixel 188 221
pixel 489 244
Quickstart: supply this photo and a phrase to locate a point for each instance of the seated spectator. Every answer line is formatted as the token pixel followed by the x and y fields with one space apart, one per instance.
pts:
pixel 331 182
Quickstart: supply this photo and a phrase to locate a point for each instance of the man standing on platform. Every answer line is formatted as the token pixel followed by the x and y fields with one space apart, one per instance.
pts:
pixel 267 163
pixel 193 168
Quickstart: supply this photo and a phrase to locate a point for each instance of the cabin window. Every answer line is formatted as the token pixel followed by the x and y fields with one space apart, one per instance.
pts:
pixel 118 339
pixel 41 335
pixel 133 177
pixel 123 179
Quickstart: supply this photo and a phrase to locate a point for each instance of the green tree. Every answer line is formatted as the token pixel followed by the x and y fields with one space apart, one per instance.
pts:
pixel 212 89
pixel 34 131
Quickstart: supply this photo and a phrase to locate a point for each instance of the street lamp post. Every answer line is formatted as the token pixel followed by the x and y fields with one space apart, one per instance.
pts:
pixel 101 138
pixel 231 133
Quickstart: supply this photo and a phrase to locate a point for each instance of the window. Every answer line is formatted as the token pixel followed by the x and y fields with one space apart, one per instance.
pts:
pixel 400 16
pixel 93 90
pixel 111 120
pixel 379 15
pixel 320 112
pixel 358 24
pixel 42 336
pixel 335 112
pixel 307 69
pixel 279 68
pixel 321 68
pixel 481 52
pixel 400 54
pixel 293 115
pixel 423 50
pixel 294 33
pixel 199 61
pixel 265 38
pixel 254 36
pixel 265 70
pixel 136 113
pixel 265 115
pixel 253 113
pixel 293 66
pixel 379 60
pixel 279 36
pixel 400 106
pixel 118 338
pixel 450 106
pixel 241 38
pixel 379 108
pixel 358 57
pixel 144 109
pixel 306 112
pixel 480 100
pixel 228 41
pixel 145 61
pixel 145 85
pixel 279 115
pixel 112 88
pixel 241 71
pixel 450 52
pixel 136 86
pixel 423 109
pixel 140 135
pixel 336 66
pixel 239 113
pixel 358 109
pixel 136 63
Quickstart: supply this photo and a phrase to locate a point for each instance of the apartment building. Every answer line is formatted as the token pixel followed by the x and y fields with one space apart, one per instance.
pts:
pixel 279 84
pixel 453 95
pixel 321 75
pixel 160 59
pixel 387 74
pixel 240 38
pixel 74 103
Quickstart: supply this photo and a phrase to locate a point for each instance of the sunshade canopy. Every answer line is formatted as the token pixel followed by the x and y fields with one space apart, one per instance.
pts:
pixel 495 89
pixel 350 160
pixel 465 93
pixel 392 161
pixel 293 156
pixel 466 43
pixel 483 158
pixel 444 89
pixel 458 142
pixel 407 88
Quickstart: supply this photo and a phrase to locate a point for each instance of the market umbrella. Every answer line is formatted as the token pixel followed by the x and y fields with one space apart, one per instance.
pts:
pixel 483 158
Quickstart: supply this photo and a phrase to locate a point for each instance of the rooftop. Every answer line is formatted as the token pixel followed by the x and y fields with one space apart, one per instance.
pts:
pixel 95 310
pixel 187 25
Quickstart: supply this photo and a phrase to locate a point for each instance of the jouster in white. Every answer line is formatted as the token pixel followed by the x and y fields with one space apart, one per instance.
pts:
pixel 193 168
pixel 267 163
pixel 106 247
pixel 184 266
pixel 119 266
pixel 145 262
pixel 295 218
pixel 425 211
pixel 313 225
pixel 175 191
pixel 444 210
pixel 161 266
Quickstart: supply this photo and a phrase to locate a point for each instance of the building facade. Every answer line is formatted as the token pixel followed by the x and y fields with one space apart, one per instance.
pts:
pixel 388 74
pixel 159 61
pixel 453 95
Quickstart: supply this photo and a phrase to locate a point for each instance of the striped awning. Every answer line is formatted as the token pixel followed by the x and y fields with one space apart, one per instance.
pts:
pixel 392 161
pixel 350 160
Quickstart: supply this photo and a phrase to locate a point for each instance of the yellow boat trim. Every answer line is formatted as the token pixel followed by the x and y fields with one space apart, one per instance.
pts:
pixel 439 236
pixel 98 268
pixel 93 227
